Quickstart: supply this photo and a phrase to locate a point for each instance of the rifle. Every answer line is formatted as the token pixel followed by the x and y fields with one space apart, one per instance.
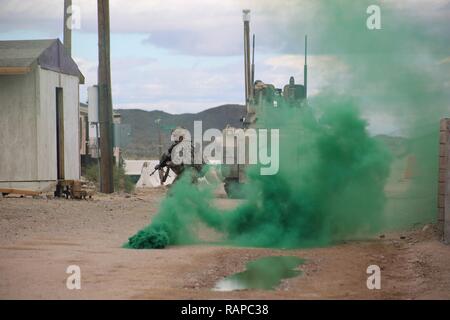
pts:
pixel 164 177
pixel 153 172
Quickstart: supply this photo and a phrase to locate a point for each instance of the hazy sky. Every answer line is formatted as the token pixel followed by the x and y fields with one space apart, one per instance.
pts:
pixel 186 56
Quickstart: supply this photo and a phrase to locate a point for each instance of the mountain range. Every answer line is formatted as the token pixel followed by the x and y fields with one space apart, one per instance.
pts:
pixel 145 126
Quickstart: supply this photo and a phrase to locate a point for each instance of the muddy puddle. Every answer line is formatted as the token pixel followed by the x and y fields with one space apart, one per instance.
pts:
pixel 263 274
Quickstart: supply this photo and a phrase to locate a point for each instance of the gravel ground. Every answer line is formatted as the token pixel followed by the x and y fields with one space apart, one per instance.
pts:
pixel 40 238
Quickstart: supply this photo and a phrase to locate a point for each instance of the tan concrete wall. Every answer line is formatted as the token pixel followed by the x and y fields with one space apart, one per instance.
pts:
pixel 28 129
pixel 71 126
pixel 49 81
pixel 18 145
pixel 46 125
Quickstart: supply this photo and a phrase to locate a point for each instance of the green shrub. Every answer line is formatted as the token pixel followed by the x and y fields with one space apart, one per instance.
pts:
pixel 122 182
pixel 91 173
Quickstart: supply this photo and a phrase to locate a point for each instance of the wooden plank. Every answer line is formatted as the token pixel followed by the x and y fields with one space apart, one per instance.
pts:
pixel 14 70
pixel 19 191
pixel 65 183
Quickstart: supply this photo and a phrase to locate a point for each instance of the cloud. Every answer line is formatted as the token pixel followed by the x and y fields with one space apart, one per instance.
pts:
pixel 202 27
pixel 193 88
pixel 197 27
pixel 323 71
pixel 185 56
pixel 149 84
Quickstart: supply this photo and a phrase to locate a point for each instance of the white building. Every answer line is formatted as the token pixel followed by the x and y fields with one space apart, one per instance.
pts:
pixel 39 115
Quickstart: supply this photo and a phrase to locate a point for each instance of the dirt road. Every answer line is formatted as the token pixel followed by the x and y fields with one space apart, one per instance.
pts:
pixel 40 238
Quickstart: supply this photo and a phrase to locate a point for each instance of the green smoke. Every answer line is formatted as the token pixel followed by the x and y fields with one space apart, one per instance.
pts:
pixel 329 186
pixel 178 217
pixel 333 173
pixel 399 73
pixel 394 70
pixel 330 183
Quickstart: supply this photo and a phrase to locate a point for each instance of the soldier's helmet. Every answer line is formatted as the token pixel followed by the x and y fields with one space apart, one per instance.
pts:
pixel 180 134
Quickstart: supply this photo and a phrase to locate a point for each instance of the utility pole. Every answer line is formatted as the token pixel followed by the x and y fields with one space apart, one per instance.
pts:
pixel 305 68
pixel 67 40
pixel 248 85
pixel 105 99
pixel 252 80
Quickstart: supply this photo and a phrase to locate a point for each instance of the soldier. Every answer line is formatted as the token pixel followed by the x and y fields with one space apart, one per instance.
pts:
pixel 178 169
pixel 294 93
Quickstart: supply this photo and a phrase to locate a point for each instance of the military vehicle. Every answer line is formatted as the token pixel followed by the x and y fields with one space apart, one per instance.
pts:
pixel 258 97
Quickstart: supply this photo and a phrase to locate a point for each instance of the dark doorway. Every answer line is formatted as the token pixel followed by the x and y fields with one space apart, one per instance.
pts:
pixel 60 133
